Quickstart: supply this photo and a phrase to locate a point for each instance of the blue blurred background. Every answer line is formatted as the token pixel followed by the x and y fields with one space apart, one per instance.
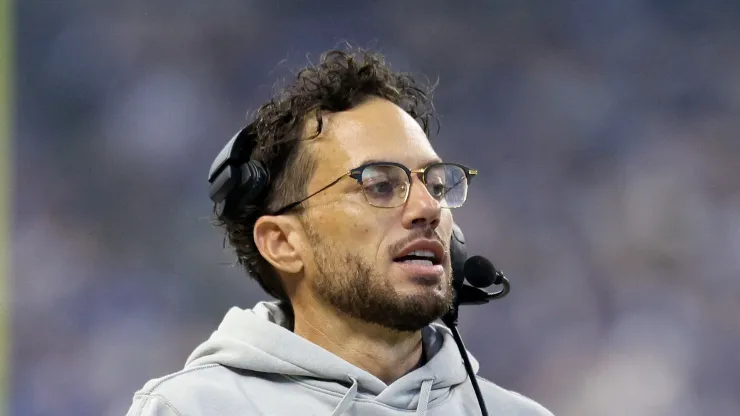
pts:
pixel 606 134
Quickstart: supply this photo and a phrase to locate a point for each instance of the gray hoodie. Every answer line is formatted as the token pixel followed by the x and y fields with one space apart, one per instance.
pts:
pixel 253 365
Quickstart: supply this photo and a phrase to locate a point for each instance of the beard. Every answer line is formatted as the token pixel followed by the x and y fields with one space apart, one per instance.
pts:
pixel 351 284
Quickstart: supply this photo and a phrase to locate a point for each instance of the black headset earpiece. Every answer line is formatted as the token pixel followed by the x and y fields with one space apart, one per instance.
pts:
pixel 235 180
pixel 458 256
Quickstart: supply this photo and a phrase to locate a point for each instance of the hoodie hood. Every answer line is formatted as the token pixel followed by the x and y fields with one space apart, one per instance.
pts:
pixel 258 339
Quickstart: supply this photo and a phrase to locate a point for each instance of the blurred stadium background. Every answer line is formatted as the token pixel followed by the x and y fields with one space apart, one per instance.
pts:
pixel 606 134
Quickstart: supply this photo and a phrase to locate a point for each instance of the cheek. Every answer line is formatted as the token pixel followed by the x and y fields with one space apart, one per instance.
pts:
pixel 366 229
pixel 353 227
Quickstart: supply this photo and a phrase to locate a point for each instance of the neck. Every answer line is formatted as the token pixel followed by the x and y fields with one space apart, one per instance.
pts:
pixel 385 353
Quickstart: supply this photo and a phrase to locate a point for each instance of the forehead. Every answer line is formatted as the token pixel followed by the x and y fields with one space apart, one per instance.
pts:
pixel 374 130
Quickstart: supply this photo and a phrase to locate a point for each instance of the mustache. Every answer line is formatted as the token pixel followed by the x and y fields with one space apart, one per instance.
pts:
pixel 416 234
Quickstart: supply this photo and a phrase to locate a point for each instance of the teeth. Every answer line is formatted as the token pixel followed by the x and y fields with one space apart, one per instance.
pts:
pixel 419 261
pixel 422 253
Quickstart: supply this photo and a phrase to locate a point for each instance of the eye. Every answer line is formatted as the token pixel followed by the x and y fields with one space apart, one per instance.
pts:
pixel 380 187
pixel 384 186
pixel 437 190
pixel 436 185
pixel 384 181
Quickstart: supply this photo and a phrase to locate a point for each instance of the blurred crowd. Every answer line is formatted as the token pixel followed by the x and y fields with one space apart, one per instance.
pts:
pixel 606 134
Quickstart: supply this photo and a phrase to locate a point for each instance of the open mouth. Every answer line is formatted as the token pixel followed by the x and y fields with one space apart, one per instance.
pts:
pixel 419 257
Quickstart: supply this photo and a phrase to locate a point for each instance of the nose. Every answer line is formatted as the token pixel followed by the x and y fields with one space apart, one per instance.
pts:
pixel 421 209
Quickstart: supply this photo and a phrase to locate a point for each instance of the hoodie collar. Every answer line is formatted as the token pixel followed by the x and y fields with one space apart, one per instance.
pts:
pixel 258 339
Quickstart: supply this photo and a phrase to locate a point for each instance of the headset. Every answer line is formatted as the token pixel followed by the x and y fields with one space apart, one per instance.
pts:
pixel 236 181
pixel 479 272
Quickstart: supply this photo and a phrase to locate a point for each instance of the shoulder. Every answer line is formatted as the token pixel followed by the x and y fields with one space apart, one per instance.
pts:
pixel 192 391
pixel 510 402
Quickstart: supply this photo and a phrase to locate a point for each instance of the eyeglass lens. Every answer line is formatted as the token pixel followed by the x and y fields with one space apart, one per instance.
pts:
pixel 388 185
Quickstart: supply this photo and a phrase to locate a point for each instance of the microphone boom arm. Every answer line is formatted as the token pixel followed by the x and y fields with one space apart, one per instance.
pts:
pixel 469 295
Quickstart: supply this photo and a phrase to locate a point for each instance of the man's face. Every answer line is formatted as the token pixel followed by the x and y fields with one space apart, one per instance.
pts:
pixel 354 245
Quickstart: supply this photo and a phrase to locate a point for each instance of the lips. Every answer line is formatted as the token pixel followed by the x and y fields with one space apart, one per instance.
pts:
pixel 422 261
pixel 421 252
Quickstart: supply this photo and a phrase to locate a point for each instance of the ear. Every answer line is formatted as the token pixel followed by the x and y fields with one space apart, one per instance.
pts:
pixel 278 239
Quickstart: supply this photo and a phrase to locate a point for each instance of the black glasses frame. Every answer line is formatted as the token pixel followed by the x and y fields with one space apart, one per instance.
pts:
pixel 356 174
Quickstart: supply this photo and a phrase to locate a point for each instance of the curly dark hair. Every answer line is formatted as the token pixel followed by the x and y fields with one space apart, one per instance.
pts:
pixel 340 81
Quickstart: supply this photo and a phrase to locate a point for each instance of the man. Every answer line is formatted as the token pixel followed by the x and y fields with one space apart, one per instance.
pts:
pixel 351 235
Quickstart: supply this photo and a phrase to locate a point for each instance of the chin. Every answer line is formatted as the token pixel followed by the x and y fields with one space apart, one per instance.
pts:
pixel 423 289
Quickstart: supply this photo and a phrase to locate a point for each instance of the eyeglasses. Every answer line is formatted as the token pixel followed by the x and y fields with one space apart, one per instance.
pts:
pixel 387 184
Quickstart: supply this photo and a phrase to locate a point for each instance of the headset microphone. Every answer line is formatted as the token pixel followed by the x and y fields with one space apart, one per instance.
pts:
pixel 480 273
